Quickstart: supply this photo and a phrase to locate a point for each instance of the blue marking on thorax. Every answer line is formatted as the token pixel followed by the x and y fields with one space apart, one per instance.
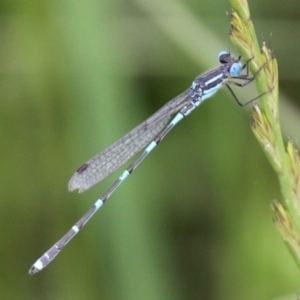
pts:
pixel 211 91
pixel 214 79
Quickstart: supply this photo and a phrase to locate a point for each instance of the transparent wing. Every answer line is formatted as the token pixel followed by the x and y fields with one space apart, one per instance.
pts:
pixel 113 157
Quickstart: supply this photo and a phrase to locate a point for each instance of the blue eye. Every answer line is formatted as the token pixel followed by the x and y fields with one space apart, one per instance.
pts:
pixel 235 69
pixel 223 57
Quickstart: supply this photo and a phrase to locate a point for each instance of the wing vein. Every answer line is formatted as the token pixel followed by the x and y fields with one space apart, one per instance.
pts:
pixel 110 159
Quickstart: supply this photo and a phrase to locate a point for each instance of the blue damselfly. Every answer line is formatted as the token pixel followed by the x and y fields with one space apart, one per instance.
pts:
pixel 150 133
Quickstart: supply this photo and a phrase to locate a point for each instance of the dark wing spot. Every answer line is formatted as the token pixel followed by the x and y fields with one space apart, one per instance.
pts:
pixel 82 168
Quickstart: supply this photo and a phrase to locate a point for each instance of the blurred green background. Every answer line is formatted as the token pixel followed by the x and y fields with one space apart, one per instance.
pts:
pixel 194 221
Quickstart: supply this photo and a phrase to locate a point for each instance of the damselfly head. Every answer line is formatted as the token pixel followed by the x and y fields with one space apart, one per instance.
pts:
pixel 236 68
pixel 224 57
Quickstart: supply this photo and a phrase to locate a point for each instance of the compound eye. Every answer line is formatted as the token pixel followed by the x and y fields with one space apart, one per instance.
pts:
pixel 224 57
pixel 235 69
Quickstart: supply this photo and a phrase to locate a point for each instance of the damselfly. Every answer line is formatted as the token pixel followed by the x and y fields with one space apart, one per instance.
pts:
pixel 150 133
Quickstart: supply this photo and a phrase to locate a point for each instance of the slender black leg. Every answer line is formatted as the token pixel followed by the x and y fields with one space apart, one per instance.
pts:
pixel 247 70
pixel 249 101
pixel 247 80
pixel 246 76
